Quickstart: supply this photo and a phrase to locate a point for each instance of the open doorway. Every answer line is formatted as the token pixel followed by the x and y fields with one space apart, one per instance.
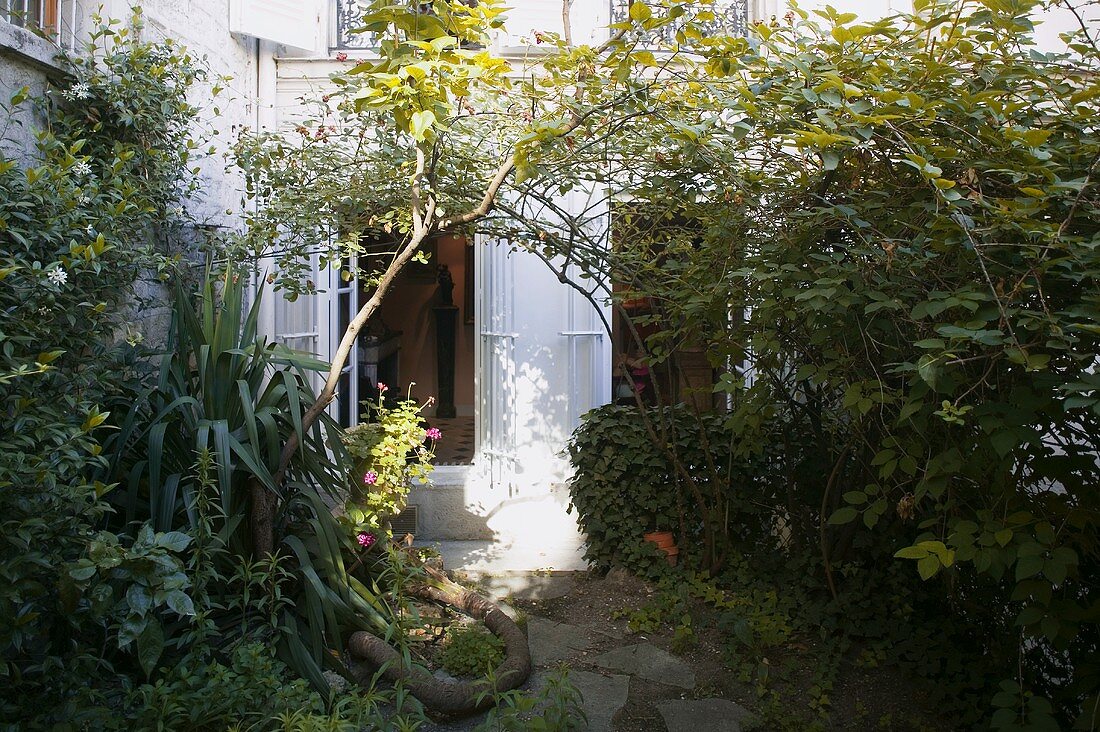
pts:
pixel 421 341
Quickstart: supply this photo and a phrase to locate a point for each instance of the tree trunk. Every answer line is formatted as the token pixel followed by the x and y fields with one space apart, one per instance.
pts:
pixel 458 698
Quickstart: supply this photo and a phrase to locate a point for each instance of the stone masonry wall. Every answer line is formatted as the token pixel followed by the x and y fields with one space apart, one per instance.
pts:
pixel 202 26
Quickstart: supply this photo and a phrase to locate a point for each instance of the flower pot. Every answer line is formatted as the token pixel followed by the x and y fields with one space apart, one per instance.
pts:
pixel 663 539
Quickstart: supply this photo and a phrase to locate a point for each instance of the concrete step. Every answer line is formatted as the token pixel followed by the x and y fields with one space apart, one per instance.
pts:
pixel 560 553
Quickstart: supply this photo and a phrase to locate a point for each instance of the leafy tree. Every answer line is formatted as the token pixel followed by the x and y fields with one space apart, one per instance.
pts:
pixel 429 138
pixel 888 230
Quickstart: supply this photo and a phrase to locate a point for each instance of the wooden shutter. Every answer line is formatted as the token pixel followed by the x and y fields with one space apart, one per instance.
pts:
pixel 289 22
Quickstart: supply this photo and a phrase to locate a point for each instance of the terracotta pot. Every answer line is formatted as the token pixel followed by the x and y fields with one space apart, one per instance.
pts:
pixel 663 539
pixel 672 555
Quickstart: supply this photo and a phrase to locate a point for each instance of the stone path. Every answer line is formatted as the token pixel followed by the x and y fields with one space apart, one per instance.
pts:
pixel 648 662
pixel 697 715
pixel 603 665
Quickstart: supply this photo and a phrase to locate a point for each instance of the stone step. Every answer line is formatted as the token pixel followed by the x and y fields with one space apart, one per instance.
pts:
pixel 510 555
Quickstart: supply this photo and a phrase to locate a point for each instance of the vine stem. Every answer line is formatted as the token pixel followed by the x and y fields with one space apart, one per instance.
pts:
pixel 825 563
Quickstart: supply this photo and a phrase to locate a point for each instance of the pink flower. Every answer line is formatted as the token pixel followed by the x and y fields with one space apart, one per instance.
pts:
pixel 365 540
pixel 370 478
pixel 382 388
pixel 433 434
pixel 341 56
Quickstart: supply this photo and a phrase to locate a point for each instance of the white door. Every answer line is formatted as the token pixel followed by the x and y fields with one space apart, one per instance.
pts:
pixel 494 360
pixel 544 360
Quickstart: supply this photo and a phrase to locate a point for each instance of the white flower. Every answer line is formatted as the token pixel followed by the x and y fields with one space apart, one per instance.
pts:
pixel 58 276
pixel 81 168
pixel 80 91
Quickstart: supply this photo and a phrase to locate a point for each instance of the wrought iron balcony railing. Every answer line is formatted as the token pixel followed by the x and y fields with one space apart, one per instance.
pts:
pixel 730 17
pixel 348 18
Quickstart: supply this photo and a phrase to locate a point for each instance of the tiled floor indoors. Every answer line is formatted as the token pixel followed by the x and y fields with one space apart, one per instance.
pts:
pixel 456 447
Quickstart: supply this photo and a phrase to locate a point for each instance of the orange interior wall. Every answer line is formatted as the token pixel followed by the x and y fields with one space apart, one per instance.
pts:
pixel 408 308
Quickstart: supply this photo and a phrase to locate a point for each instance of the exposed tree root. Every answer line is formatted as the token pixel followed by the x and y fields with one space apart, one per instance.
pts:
pixel 457 698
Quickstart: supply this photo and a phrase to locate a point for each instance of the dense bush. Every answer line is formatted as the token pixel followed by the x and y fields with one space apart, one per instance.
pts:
pixel 902 220
pixel 624 486
pixel 80 221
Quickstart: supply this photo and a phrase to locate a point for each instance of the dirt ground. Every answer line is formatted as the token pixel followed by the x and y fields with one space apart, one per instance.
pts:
pixel 861 699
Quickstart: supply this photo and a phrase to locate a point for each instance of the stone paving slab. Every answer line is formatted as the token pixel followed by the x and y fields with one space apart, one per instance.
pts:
pixel 551 641
pixel 602 696
pixel 564 554
pixel 525 585
pixel 697 715
pixel 648 662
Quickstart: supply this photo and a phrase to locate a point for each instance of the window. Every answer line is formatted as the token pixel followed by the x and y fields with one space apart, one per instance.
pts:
pixel 40 14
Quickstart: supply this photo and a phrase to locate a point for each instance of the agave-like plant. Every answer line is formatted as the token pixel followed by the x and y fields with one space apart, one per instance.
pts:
pixel 225 391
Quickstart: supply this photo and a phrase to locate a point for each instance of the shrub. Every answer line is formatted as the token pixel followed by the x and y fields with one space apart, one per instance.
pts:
pixel 94 209
pixel 388 450
pixel 625 483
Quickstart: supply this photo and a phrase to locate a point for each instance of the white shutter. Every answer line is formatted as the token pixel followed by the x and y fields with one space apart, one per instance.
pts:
pixel 496 359
pixel 528 16
pixel 289 22
pixel 544 358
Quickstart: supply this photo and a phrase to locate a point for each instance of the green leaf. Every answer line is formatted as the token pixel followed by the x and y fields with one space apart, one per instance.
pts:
pixel 82 573
pixel 928 566
pixel 420 124
pixel 150 646
pixel 843 515
pixel 174 541
pixel 180 603
pixel 929 371
pixel 138 598
pixel 1028 566
pixel 639 11
pixel 911 552
pixel 1030 616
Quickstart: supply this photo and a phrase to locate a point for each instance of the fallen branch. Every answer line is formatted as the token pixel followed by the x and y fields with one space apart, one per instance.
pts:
pixel 458 698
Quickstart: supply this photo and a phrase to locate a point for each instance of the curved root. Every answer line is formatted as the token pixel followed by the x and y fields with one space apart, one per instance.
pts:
pixel 456 698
